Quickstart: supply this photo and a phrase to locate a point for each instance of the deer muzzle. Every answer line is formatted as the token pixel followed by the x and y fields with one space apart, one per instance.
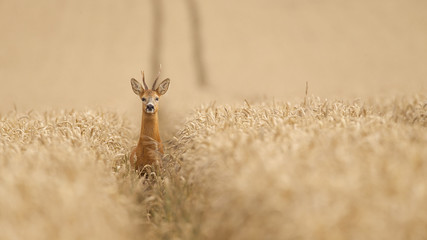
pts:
pixel 149 108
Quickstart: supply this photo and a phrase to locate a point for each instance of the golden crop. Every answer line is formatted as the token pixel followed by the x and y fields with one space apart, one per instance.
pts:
pixel 323 169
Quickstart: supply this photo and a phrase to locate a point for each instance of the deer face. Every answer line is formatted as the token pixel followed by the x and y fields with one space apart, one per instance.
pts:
pixel 150 97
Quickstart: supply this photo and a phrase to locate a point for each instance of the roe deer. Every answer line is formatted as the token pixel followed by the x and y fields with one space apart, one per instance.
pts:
pixel 149 148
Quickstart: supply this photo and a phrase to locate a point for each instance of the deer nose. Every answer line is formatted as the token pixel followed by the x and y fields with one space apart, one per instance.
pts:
pixel 150 107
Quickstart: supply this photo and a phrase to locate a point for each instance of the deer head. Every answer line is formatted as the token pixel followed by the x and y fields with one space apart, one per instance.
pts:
pixel 150 97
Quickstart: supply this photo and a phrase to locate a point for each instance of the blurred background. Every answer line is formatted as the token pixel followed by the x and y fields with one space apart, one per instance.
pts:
pixel 82 54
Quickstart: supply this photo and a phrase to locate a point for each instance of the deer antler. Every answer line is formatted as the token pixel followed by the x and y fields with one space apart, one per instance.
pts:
pixel 143 80
pixel 157 78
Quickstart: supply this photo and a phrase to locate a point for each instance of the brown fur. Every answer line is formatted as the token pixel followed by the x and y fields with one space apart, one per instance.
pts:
pixel 150 148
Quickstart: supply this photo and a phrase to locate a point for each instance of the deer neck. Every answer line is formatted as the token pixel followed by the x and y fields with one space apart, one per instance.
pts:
pixel 149 127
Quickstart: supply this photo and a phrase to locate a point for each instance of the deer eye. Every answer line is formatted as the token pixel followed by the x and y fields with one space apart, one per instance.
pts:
pixel 157 99
pixel 143 99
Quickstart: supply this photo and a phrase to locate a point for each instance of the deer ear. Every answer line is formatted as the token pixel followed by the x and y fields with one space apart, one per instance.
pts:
pixel 163 87
pixel 136 87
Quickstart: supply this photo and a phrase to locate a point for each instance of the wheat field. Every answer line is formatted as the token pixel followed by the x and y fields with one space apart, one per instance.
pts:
pixel 313 169
pixel 248 155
